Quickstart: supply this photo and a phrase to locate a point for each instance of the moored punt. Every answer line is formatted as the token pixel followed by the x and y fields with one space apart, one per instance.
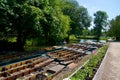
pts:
pixel 17 70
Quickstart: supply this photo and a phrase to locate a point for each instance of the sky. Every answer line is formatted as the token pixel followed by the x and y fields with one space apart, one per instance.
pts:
pixel 112 7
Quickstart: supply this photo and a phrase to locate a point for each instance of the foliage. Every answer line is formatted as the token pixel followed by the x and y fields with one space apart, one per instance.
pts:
pixel 35 18
pixel 47 22
pixel 85 32
pixel 4 22
pixel 88 71
pixel 79 16
pixel 100 22
pixel 55 25
pixel 72 37
pixel 23 20
pixel 114 30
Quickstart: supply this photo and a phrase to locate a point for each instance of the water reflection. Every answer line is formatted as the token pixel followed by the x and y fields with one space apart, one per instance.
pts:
pixel 90 40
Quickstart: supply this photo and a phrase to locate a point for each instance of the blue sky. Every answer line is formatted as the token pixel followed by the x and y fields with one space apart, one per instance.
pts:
pixel 112 7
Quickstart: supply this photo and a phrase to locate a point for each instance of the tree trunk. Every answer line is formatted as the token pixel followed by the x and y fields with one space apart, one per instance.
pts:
pixel 98 37
pixel 68 39
pixel 20 42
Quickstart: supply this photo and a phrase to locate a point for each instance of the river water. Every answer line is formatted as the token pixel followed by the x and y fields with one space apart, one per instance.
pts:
pixel 90 40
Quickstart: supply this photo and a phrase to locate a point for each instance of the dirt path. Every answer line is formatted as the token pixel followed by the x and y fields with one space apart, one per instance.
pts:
pixel 110 67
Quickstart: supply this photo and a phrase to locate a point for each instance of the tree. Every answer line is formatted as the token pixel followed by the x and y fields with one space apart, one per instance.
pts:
pixel 4 22
pixel 85 32
pixel 114 30
pixel 23 20
pixel 28 24
pixel 79 16
pixel 34 18
pixel 55 24
pixel 100 22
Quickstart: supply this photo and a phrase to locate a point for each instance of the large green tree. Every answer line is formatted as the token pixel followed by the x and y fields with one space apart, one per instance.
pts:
pixel 23 20
pixel 100 22
pixel 114 30
pixel 55 24
pixel 34 18
pixel 79 16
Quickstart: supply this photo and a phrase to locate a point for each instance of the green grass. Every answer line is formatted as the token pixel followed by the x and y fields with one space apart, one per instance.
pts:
pixel 87 37
pixel 72 37
pixel 103 38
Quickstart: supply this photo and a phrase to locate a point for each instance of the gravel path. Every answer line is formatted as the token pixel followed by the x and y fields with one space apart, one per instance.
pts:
pixel 110 67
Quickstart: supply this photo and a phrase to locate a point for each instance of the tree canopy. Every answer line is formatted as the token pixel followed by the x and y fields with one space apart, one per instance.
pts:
pixel 79 16
pixel 100 22
pixel 114 30
pixel 51 21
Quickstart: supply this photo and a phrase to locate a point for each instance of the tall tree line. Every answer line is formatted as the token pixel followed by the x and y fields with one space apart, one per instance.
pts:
pixel 50 20
pixel 114 28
